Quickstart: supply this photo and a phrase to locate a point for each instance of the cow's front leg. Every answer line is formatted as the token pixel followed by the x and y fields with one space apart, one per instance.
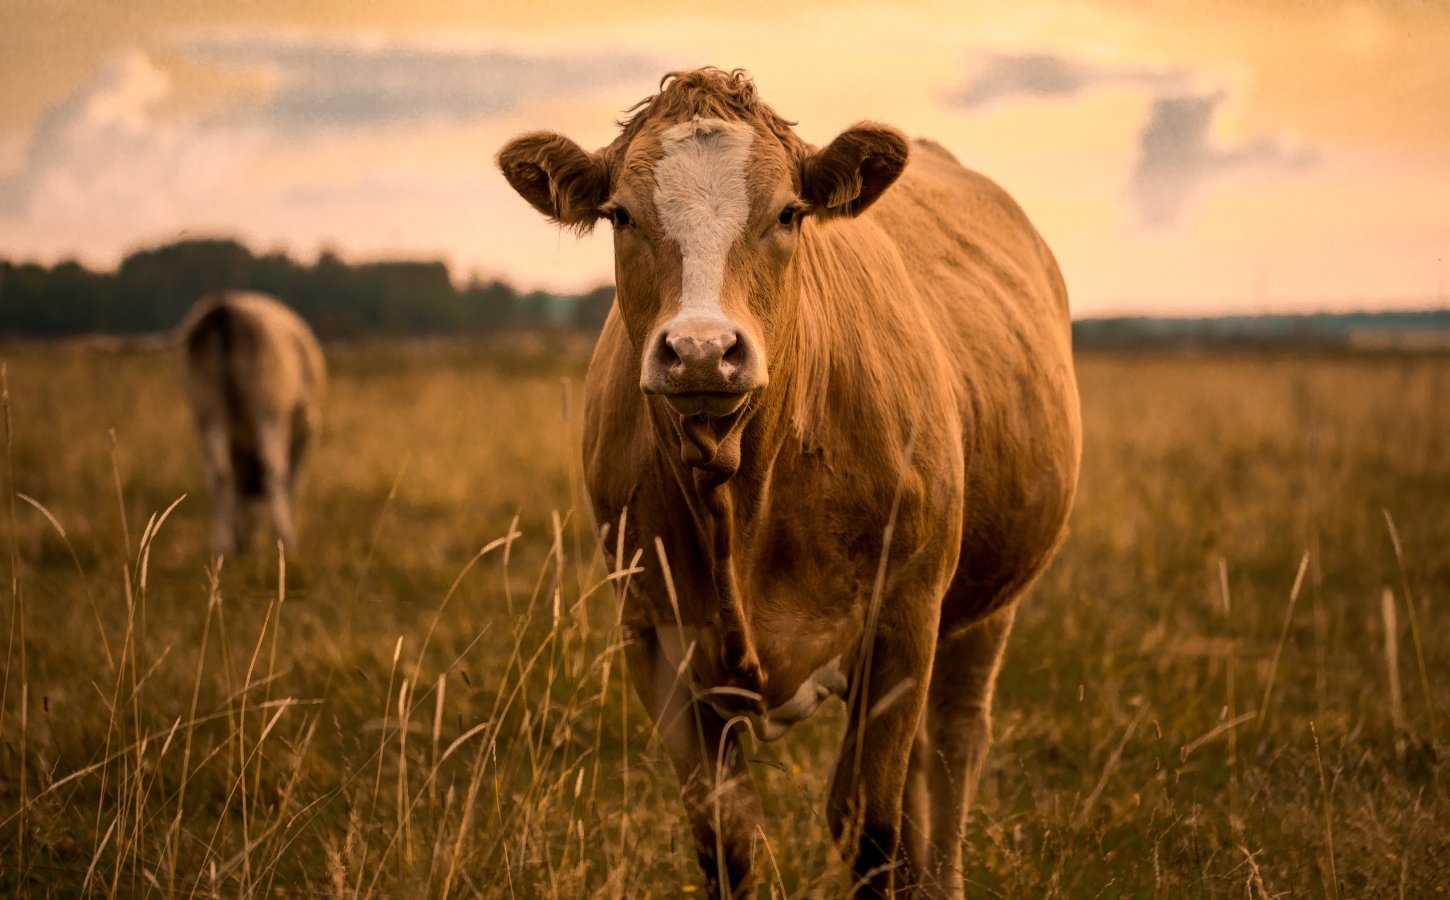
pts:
pixel 715 784
pixel 886 701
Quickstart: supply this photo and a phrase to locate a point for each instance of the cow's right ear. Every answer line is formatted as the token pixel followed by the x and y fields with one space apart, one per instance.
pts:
pixel 557 177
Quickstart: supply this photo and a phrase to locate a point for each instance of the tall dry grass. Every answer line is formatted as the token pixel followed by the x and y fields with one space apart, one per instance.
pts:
pixel 427 698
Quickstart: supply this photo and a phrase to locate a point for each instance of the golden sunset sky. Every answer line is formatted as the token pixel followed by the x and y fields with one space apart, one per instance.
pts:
pixel 1180 158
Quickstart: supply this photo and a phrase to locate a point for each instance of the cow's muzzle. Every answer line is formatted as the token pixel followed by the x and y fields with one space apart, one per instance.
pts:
pixel 703 366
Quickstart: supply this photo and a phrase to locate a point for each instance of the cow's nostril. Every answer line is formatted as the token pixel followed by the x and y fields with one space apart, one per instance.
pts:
pixel 665 354
pixel 734 353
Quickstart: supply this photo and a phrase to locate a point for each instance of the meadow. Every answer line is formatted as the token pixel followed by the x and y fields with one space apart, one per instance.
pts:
pixel 1229 683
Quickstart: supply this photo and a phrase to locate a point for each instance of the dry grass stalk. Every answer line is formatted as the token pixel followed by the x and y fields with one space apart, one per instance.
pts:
pixel 1414 627
pixel 1086 809
pixel 1392 658
pixel 1283 638
pixel 1328 800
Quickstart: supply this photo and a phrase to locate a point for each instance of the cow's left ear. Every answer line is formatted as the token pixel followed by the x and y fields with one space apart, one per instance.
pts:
pixel 848 176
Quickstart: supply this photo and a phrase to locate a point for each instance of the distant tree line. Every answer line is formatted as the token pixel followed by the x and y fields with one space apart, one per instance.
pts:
pixel 1423 328
pixel 152 289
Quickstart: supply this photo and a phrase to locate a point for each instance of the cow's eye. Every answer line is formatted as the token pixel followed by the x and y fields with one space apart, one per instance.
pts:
pixel 787 217
pixel 620 217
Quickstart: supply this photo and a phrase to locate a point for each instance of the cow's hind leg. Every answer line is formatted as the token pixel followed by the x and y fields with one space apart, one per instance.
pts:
pixel 216 448
pixel 957 734
pixel 297 449
pixel 274 452
pixel 715 784
pixel 248 486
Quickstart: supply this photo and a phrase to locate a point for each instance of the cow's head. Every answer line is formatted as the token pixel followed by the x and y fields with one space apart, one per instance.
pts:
pixel 708 191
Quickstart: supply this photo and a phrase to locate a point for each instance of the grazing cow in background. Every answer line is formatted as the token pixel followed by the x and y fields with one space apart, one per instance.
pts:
pixel 834 403
pixel 255 377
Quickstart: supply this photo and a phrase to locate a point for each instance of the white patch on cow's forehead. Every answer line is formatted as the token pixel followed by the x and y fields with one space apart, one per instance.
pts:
pixel 703 202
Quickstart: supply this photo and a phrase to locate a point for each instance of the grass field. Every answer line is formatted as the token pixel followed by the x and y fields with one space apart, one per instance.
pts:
pixel 1229 684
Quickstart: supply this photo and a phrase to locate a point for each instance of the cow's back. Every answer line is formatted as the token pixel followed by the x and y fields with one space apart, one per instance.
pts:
pixel 998 306
pixel 247 357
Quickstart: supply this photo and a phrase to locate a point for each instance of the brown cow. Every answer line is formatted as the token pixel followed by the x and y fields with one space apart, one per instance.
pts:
pixel 847 442
pixel 255 377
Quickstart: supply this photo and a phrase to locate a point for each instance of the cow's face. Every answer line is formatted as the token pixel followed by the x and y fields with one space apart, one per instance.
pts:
pixel 707 217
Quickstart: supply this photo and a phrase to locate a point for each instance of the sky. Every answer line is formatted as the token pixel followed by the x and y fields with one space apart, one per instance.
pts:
pixel 1240 156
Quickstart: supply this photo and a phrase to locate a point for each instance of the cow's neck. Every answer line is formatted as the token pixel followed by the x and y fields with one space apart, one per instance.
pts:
pixel 724 463
pixel 723 467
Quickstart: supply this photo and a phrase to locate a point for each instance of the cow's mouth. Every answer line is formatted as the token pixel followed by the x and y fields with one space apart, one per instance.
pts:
pixel 714 404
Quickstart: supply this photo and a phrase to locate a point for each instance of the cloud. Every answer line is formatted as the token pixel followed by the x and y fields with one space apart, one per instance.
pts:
pixel 1176 155
pixel 102 151
pixel 1007 75
pixel 1176 151
pixel 119 161
pixel 326 83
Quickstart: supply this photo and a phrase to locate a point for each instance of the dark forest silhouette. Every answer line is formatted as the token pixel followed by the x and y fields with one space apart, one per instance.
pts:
pixel 152 289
